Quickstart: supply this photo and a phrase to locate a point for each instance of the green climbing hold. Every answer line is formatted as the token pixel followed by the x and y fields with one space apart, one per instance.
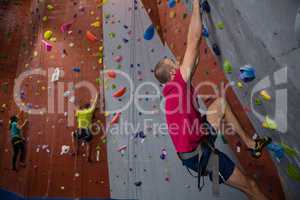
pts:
pixel 269 123
pixel 289 150
pixel 258 102
pixel 227 67
pixel 220 25
pixel 293 172
pixel 113 86
pixel 111 35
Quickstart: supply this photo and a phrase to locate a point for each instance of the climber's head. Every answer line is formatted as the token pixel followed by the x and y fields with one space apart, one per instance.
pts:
pixel 165 70
pixel 85 106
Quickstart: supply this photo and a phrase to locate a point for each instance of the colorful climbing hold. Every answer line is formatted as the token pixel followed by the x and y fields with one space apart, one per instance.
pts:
pixel 171 3
pixel 47 45
pixel 239 84
pixel 276 149
pixel 118 58
pixel 149 33
pixel 227 66
pixel 50 7
pixel 269 123
pixel 205 32
pixel 120 92
pixel 96 24
pixel 265 95
pixel 90 36
pixel 220 25
pixel 48 34
pixel 172 14
pixel 258 102
pixel 247 73
pixel 111 74
pixel 293 172
pixel 116 118
pixel 289 150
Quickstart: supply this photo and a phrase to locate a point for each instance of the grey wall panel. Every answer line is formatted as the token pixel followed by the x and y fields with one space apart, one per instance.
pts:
pixel 141 161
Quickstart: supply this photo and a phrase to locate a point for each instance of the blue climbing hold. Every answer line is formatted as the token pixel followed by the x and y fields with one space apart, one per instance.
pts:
pixel 149 33
pixel 276 149
pixel 247 73
pixel 125 40
pixel 205 32
pixel 171 3
pixel 76 69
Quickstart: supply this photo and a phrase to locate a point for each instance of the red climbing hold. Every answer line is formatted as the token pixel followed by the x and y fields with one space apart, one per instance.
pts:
pixel 120 92
pixel 116 118
pixel 111 74
pixel 90 36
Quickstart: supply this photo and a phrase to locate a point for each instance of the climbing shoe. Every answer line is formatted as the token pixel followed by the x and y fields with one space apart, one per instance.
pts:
pixel 260 143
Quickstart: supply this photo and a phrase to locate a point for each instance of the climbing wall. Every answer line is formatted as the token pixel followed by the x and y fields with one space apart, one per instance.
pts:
pixel 142 159
pixel 52 170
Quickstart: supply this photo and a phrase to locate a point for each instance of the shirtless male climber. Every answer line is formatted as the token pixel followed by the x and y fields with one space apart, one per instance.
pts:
pixel 176 79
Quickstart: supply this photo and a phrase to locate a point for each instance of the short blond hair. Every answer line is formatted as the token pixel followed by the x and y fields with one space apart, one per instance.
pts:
pixel 161 71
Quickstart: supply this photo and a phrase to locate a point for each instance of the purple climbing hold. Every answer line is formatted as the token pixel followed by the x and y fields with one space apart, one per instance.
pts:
pixel 171 3
pixel 149 33
pixel 247 73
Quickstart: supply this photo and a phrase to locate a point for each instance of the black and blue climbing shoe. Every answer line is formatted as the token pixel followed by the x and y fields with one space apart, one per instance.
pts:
pixel 260 143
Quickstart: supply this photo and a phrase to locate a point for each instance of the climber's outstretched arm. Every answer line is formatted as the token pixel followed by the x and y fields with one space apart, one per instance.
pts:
pixel 94 102
pixel 193 42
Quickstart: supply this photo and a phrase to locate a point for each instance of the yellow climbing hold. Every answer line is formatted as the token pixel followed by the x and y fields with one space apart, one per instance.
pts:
pixel 106 114
pixel 96 24
pixel 239 84
pixel 100 61
pixel 265 95
pixel 48 34
pixel 172 14
pixel 104 2
pixel 45 18
pixel 50 7
pixel 269 123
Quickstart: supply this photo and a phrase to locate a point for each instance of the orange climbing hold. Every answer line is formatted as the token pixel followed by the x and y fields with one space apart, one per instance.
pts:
pixel 90 36
pixel 120 92
pixel 116 118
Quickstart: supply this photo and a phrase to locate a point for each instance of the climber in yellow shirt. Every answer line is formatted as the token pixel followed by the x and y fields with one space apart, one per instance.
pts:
pixel 83 133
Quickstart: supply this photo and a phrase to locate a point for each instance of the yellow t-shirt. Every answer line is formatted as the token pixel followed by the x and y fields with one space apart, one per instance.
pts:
pixel 84 117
